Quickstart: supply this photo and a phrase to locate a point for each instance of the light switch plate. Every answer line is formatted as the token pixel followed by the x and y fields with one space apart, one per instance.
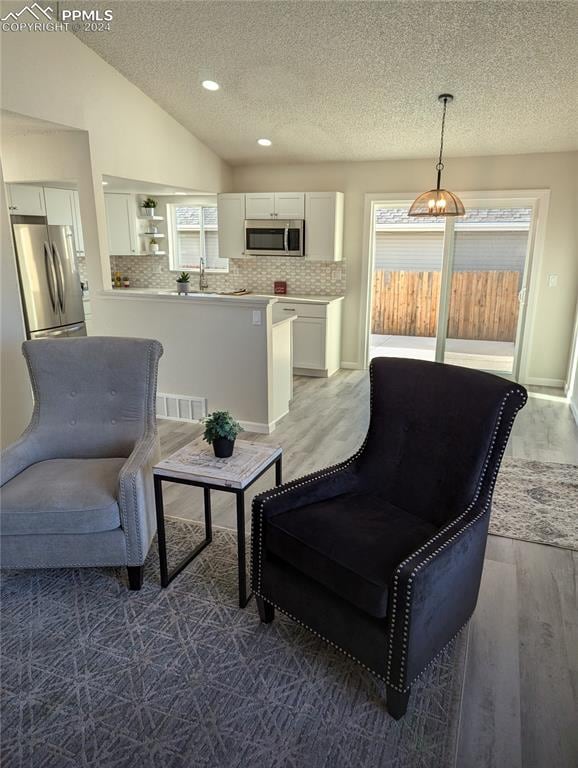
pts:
pixel 256 317
pixel 552 281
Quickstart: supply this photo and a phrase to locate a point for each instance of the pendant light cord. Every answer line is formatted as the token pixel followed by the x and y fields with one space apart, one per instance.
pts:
pixel 440 165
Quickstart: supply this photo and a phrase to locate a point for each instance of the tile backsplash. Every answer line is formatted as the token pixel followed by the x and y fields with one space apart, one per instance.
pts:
pixel 255 274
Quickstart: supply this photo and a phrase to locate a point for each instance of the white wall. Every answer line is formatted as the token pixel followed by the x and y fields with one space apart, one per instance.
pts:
pixel 15 393
pixel 54 77
pixel 557 171
pixel 60 156
pixel 212 349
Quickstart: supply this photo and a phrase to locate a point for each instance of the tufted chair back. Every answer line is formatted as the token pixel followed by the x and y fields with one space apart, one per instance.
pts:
pixel 436 434
pixel 93 397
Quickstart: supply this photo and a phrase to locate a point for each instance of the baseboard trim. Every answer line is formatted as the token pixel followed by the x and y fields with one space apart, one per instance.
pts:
pixel 351 366
pixel 573 409
pixel 538 382
pixel 262 427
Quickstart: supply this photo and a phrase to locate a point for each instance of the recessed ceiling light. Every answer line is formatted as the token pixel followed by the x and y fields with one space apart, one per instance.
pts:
pixel 264 142
pixel 104 183
pixel 210 85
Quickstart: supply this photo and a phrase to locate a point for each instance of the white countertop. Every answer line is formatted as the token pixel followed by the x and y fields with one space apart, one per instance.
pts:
pixel 302 299
pixel 153 294
pixel 208 296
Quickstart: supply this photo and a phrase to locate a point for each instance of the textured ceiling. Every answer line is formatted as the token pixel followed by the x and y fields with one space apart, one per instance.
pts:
pixel 354 80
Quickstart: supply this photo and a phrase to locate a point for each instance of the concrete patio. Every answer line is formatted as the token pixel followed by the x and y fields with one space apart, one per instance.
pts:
pixel 497 356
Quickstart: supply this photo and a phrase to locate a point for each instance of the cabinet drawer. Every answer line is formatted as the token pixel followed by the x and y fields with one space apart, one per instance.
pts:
pixel 286 308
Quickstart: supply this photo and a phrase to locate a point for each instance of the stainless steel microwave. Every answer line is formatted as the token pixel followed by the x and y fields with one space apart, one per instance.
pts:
pixel 274 238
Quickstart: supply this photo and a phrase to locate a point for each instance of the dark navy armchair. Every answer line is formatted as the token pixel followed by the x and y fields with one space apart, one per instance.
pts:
pixel 382 555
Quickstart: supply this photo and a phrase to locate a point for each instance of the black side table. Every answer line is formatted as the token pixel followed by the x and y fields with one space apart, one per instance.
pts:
pixel 195 464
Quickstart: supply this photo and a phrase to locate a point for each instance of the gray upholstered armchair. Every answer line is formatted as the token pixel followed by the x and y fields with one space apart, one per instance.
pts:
pixel 77 486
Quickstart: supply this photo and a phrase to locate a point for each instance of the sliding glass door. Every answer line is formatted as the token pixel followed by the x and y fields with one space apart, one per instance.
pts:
pixel 451 290
pixel 487 288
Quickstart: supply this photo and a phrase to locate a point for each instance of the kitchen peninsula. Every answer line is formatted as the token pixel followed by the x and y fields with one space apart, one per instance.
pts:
pixel 220 352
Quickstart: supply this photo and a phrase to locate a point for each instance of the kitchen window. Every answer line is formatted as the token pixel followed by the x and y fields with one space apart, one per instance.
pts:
pixel 193 234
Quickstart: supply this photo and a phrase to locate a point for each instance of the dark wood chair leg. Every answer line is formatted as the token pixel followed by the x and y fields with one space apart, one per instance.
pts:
pixel 135 576
pixel 396 702
pixel 266 610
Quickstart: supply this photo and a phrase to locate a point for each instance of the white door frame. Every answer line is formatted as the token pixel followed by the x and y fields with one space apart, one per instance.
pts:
pixel 537 199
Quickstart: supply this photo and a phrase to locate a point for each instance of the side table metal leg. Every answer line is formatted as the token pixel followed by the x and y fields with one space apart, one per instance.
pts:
pixel 161 537
pixel 243 599
pixel 208 519
pixel 279 471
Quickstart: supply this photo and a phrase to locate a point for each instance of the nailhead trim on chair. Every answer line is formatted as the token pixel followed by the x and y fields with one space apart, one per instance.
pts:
pixel 306 481
pixel 354 658
pixel 338 467
pixel 443 532
pixel 148 441
pixel 142 446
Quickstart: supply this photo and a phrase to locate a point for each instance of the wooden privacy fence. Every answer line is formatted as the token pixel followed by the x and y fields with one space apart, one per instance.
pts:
pixel 483 305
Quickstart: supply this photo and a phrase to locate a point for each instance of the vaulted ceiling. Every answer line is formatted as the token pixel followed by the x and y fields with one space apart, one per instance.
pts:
pixel 353 80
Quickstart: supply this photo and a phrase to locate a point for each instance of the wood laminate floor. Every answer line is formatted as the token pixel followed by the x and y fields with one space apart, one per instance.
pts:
pixel 520 704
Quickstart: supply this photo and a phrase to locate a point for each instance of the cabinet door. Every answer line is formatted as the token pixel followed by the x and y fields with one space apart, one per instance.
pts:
pixel 290 205
pixel 323 226
pixel 309 343
pixel 121 224
pixel 231 218
pixel 59 206
pixel 260 205
pixel 26 200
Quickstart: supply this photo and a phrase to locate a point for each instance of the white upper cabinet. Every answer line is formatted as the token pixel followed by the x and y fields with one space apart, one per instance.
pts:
pixel 324 226
pixel 121 224
pixel 26 200
pixel 62 208
pixel 59 206
pixel 290 205
pixel 259 205
pixel 231 217
pixel 280 205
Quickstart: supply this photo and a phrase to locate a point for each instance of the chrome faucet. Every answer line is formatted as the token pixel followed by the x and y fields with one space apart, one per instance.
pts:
pixel 203 282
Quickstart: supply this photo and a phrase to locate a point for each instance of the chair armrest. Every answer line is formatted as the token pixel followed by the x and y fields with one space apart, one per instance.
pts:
pixel 136 498
pixel 19 456
pixel 433 594
pixel 319 486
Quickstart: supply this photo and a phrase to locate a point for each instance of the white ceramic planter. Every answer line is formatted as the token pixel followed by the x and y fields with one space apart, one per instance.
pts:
pixel 149 212
pixel 183 287
pixel 154 247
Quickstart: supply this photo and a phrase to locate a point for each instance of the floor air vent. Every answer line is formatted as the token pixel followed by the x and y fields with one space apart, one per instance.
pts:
pixel 181 407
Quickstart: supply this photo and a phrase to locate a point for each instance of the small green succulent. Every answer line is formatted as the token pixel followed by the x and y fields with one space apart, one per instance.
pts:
pixel 220 424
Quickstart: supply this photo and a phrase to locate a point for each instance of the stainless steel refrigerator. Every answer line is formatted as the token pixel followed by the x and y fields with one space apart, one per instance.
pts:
pixel 49 280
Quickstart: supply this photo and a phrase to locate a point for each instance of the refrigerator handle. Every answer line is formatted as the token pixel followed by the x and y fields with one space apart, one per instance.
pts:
pixel 59 276
pixel 49 267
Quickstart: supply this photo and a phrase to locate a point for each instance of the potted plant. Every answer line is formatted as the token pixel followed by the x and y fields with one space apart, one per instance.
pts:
pixel 221 429
pixel 149 206
pixel 183 282
pixel 154 245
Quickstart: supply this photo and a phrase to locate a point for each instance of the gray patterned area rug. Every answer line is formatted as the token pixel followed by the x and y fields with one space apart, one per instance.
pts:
pixel 536 501
pixel 95 676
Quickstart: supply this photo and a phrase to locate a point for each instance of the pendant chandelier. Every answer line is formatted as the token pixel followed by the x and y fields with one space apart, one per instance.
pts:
pixel 438 201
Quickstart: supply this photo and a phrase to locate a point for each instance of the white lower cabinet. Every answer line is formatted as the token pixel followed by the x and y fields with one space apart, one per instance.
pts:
pixel 309 337
pixel 316 335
